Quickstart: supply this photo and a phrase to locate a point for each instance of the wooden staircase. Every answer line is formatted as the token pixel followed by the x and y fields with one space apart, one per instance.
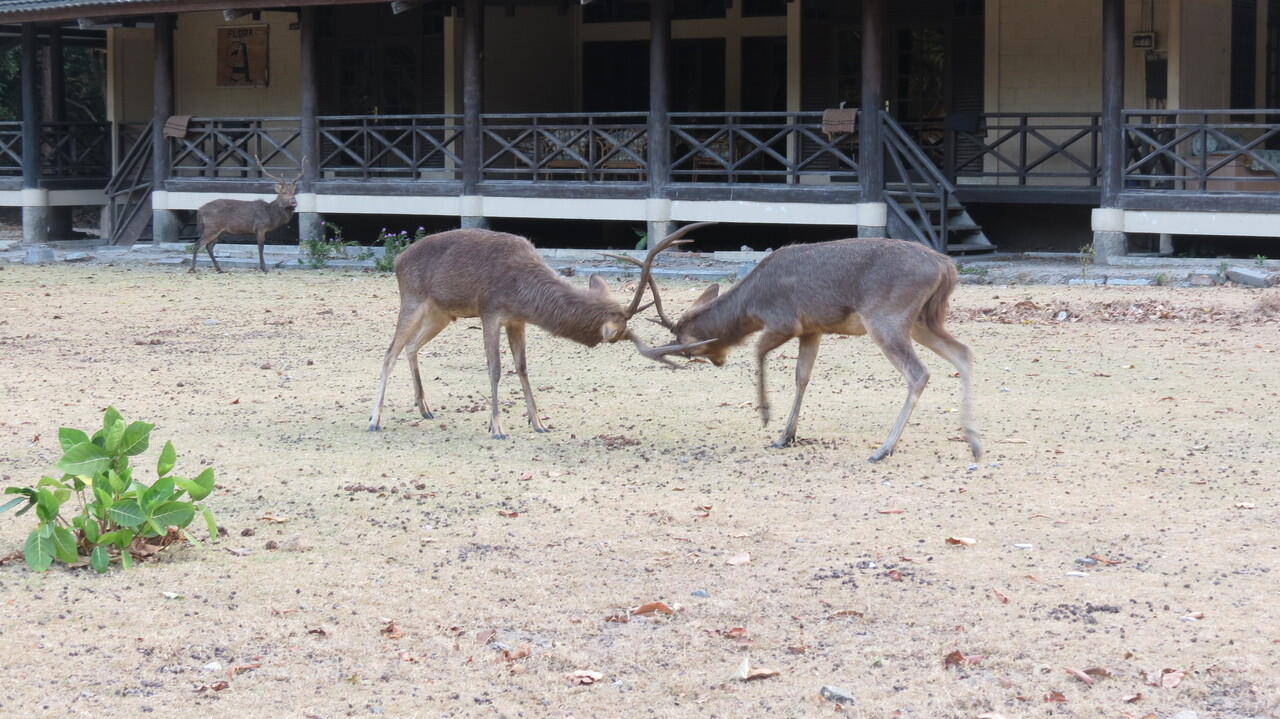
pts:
pixel 129 193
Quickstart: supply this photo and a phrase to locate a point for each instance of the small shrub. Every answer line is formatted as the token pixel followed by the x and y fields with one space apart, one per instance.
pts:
pixel 972 270
pixel 1260 260
pixel 316 252
pixel 393 244
pixel 642 239
pixel 119 518
pixel 1161 279
pixel 1222 268
pixel 1087 255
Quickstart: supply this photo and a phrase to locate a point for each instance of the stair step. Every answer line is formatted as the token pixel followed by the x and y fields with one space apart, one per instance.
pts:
pixel 975 245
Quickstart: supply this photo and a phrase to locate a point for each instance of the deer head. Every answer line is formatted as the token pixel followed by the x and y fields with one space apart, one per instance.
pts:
pixel 286 190
pixel 659 354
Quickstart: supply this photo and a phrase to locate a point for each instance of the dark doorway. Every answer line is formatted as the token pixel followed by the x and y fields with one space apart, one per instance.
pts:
pixel 615 76
pixel 764 74
pixel 377 63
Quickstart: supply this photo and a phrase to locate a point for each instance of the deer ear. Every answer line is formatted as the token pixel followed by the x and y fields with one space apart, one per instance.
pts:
pixel 707 295
pixel 599 287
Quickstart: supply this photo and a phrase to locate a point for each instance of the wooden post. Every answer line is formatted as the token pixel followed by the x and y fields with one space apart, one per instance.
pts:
pixel 309 124
pixel 55 110
pixel 164 224
pixel 31 164
pixel 871 138
pixel 1112 101
pixel 659 129
pixel 472 94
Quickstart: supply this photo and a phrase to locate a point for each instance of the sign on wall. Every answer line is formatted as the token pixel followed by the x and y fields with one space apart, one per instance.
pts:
pixel 243 54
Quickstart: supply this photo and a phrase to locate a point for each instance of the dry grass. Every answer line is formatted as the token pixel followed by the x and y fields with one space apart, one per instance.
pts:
pixel 1116 433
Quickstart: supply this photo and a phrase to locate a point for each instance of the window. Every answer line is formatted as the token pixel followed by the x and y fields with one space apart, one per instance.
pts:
pixel 1244 54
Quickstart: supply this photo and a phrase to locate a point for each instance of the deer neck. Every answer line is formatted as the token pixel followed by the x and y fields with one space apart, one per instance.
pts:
pixel 566 311
pixel 728 318
pixel 280 210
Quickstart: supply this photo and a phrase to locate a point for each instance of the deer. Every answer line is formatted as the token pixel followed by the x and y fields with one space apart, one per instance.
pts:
pixel 893 290
pixel 245 217
pixel 501 279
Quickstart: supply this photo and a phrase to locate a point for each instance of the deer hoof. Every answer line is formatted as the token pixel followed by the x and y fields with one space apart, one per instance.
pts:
pixel 497 435
pixel 426 414
pixel 784 443
pixel 374 428
pixel 879 455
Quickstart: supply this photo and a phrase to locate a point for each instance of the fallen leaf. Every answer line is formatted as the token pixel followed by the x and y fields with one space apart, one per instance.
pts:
pixel 618 618
pixel 584 676
pixel 895 575
pixel 990 715
pixel 525 477
pixel 739 559
pixel 219 686
pixel 1104 560
pixel 1244 505
pixel 485 636
pixel 268 517
pixel 891 511
pixel 520 652
pixel 508 513
pixel 1097 672
pixel 735 632
pixel 1088 680
pixel 234 401
pixel 1000 596
pixel 391 631
pixel 651 608
pixel 746 673
pixel 235 671
pixel 318 631
pixel 1165 678
pixel 957 658
pixel 1053 696
pixel 1013 440
pixel 966 541
pixel 1133 698
pixel 847 613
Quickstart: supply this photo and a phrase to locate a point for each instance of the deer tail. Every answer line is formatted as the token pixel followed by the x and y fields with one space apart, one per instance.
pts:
pixel 934 312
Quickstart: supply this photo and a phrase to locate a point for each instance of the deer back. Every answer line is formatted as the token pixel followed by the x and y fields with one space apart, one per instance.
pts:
pixel 242 217
pixel 473 272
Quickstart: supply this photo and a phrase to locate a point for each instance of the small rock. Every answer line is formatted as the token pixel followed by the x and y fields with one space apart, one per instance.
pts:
pixel 1024 546
pixel 1086 562
pixel 210 322
pixel 213 667
pixel 248 532
pixel 76 257
pixel 294 544
pixel 1185 714
pixel 1082 281
pixel 701 594
pixel 272 544
pixel 1202 280
pixel 1062 315
pixel 1077 574
pixel 265 365
pixel 973 468
pixel 867 564
pixel 1253 277
pixel 375 709
pixel 837 695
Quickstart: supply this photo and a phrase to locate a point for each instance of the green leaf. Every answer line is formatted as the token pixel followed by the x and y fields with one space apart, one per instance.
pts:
pixel 46 505
pixel 120 538
pixel 13 503
pixel 69 437
pixel 153 529
pixel 209 523
pixel 173 514
pixel 62 495
pixel 100 560
pixel 200 487
pixel 136 438
pixel 38 551
pixel 168 457
pixel 103 497
pixel 115 437
pixel 110 417
pixel 116 482
pixel 127 514
pixel 159 492
pixel 90 529
pixel 126 559
pixel 64 545
pixel 84 458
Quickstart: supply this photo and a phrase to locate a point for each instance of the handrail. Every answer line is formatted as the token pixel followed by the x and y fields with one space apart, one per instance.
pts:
pixel 933 192
pixel 1201 150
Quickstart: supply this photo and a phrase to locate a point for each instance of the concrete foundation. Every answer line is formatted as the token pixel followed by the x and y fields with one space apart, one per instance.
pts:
pixel 658 229
pixel 165 226
pixel 471 222
pixel 37 254
pixel 872 231
pixel 1108 245
pixel 35 225
pixel 310 226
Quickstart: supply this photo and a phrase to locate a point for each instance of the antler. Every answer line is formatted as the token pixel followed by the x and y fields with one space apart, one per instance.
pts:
pixel 267 172
pixel 659 354
pixel 646 271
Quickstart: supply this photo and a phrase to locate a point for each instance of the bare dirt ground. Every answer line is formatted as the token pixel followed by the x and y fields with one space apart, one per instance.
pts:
pixel 1139 430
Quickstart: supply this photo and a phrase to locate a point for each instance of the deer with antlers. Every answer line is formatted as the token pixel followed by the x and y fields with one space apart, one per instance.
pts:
pixel 893 290
pixel 502 279
pixel 245 217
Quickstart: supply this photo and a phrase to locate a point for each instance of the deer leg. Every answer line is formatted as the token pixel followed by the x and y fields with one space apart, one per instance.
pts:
pixel 405 325
pixel 955 352
pixel 209 248
pixel 804 369
pixel 195 250
pixel 515 338
pixel 262 240
pixel 492 328
pixel 769 341
pixel 427 330
pixel 895 341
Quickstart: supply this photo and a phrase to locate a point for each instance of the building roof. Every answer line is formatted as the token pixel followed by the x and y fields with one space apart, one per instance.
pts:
pixel 65 10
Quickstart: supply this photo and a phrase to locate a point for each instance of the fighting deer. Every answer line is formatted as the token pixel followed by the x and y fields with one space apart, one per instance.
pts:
pixel 890 289
pixel 502 279
pixel 245 217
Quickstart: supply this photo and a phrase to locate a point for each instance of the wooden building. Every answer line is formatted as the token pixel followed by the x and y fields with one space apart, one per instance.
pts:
pixel 1150 112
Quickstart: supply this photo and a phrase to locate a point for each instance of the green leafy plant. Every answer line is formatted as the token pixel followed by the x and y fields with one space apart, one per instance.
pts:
pixel 393 243
pixel 316 252
pixel 972 270
pixel 1087 255
pixel 642 237
pixel 119 517
pixel 1260 260
pixel 1222 268
pixel 1161 279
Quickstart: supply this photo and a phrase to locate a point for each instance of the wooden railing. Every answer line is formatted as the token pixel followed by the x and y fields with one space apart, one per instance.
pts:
pixel 1196 151
pixel 917 190
pixel 391 147
pixel 10 148
pixel 230 147
pixel 1044 149
pixel 594 147
pixel 774 147
pixel 68 149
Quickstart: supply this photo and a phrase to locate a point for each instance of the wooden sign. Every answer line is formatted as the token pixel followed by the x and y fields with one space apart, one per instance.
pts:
pixel 243 54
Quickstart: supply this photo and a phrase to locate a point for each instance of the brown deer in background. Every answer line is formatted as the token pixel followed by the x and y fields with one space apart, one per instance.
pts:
pixel 245 217
pixel 890 289
pixel 502 279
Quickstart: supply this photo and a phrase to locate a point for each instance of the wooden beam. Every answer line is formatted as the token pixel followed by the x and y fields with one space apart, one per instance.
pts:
pixel 55 93
pixel 403 6
pixel 173 6
pixel 1112 101
pixel 31 168
pixel 870 130
pixel 233 15
pixel 659 129
pixel 309 123
pixel 472 93
pixel 163 97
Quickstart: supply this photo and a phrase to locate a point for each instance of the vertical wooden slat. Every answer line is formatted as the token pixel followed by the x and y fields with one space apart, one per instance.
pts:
pixel 163 107
pixel 30 109
pixel 1112 101
pixel 871 141
pixel 659 129
pixel 55 106
pixel 309 124
pixel 472 94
